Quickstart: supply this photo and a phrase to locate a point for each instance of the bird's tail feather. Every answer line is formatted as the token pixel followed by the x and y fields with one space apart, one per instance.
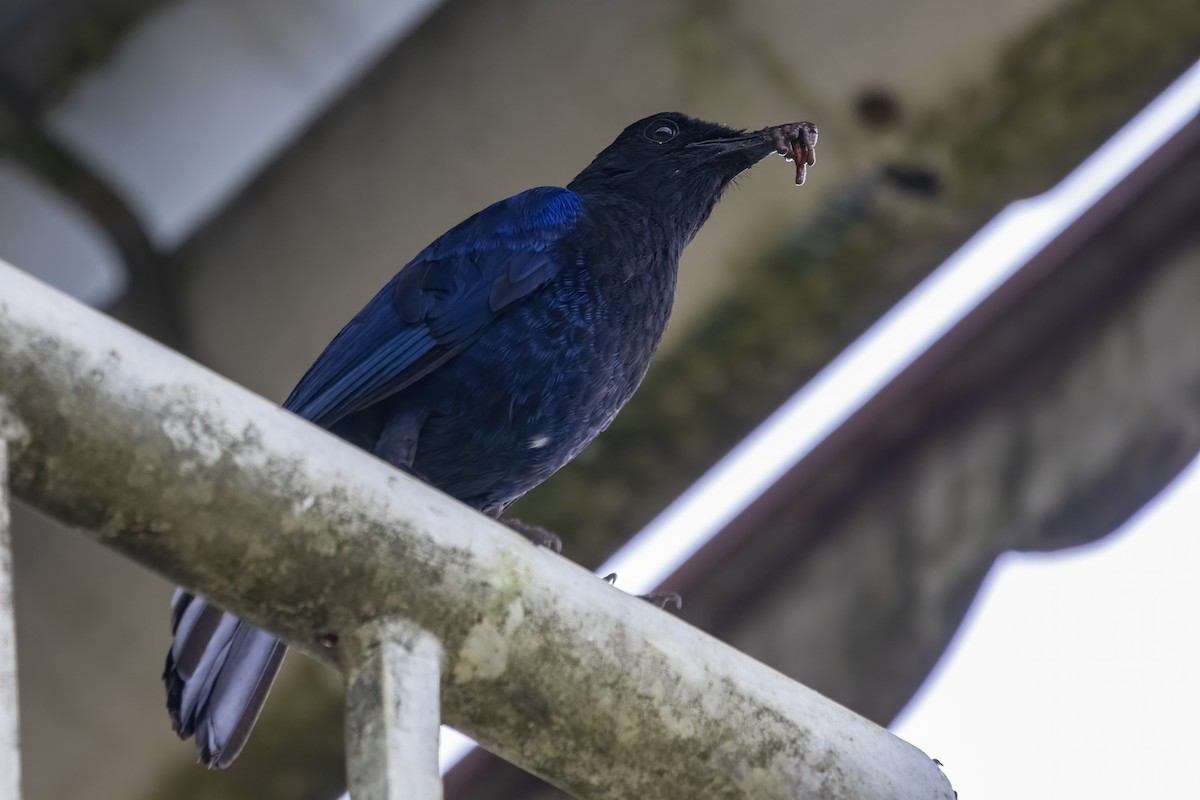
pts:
pixel 218 673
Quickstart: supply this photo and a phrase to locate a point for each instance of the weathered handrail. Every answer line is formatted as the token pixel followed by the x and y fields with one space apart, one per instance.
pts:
pixel 543 663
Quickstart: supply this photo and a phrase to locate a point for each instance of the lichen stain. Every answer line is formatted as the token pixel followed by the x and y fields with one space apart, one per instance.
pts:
pixel 484 651
pixel 188 435
pixel 483 655
pixel 753 781
pixel 677 721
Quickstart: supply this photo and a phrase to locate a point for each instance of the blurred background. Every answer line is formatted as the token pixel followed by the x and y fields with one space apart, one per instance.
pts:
pixel 237 178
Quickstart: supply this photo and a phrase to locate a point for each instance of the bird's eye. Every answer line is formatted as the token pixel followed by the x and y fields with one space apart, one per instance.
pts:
pixel 662 131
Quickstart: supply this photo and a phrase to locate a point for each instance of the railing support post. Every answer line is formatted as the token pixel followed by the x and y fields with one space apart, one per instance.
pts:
pixel 393 713
pixel 10 750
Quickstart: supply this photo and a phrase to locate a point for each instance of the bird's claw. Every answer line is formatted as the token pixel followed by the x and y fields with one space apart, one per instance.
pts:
pixel 534 533
pixel 664 599
pixel 660 599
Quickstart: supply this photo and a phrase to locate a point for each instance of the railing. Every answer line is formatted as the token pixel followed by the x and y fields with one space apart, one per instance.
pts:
pixel 398 586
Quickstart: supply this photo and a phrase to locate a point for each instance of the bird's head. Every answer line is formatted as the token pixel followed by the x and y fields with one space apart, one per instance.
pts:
pixel 678 166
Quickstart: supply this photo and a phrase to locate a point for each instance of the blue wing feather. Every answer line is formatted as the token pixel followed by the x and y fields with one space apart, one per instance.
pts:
pixel 439 303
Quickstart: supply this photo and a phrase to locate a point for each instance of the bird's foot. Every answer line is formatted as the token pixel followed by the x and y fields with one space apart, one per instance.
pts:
pixel 534 533
pixel 664 599
pixel 660 599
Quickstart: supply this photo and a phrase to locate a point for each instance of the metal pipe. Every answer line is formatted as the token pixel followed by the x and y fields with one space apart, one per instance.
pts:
pixel 551 668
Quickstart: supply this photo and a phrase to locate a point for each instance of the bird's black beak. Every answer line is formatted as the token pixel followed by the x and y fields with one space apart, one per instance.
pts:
pixel 795 141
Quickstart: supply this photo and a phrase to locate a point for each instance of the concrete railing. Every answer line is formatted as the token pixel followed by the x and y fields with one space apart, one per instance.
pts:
pixel 400 587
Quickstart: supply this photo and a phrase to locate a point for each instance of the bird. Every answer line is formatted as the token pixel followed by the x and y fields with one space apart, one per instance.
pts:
pixel 490 360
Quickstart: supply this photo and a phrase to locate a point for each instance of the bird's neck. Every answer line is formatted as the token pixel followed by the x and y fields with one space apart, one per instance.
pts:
pixel 627 233
pixel 666 221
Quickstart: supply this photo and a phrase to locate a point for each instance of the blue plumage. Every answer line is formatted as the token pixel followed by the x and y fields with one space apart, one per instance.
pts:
pixel 438 303
pixel 491 359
